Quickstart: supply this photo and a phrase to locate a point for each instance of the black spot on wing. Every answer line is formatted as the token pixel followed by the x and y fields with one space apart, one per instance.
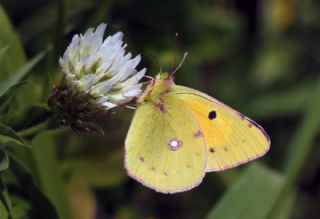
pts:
pixel 212 115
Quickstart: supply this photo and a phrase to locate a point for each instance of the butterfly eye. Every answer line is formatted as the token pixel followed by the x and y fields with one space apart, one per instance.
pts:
pixel 212 115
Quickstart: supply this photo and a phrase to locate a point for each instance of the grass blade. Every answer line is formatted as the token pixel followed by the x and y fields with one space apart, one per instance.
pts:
pixel 4 160
pixel 21 73
pixel 305 135
pixel 49 175
pixel 9 38
pixel 3 211
pixel 7 134
pixel 252 196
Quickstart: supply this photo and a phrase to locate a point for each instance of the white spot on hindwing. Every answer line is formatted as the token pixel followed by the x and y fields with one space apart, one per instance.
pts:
pixel 174 144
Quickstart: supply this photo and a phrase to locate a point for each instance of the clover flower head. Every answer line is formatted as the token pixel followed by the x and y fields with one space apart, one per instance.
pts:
pixel 101 68
pixel 98 76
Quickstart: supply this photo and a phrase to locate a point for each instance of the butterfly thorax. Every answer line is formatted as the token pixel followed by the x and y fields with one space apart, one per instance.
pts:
pixel 160 85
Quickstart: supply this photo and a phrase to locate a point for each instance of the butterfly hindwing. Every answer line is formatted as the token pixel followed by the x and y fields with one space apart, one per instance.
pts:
pixel 163 148
pixel 231 138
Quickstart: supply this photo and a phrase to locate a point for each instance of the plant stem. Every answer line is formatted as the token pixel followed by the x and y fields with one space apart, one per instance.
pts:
pixel 62 8
pixel 33 130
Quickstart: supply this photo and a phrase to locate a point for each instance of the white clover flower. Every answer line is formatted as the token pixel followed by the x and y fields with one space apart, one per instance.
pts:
pixel 98 76
pixel 101 68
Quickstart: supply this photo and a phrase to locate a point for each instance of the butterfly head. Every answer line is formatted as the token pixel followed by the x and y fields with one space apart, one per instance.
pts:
pixel 160 85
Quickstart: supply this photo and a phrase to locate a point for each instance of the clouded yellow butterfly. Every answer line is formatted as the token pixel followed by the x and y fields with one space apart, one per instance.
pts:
pixel 178 134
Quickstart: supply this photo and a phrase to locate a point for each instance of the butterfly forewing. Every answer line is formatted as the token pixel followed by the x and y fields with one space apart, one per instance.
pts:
pixel 164 150
pixel 231 138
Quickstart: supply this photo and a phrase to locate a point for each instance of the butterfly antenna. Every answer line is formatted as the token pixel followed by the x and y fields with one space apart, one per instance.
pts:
pixel 181 63
pixel 176 46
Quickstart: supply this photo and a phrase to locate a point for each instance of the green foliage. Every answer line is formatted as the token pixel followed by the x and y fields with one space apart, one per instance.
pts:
pixel 106 171
pixel 7 134
pixel 4 160
pixel 304 138
pixel 47 173
pixel 260 186
pixel 3 211
pixel 21 73
pixel 260 57
pixel 11 45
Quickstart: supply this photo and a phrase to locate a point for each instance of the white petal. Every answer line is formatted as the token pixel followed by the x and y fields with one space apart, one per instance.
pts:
pixel 102 68
pixel 109 105
pixel 101 29
pixel 133 80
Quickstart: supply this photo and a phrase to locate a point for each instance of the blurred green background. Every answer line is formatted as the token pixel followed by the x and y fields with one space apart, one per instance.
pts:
pixel 261 57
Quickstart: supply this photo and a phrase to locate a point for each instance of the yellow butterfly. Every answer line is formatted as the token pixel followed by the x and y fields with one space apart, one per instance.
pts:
pixel 178 134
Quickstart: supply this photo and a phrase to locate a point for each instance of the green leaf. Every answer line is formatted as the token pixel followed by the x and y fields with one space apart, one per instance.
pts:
pixel 3 211
pixel 15 56
pixel 280 103
pixel 29 117
pixel 27 188
pixel 7 98
pixel 284 207
pixel 4 160
pixel 21 155
pixel 99 172
pixel 81 194
pixel 21 73
pixel 2 52
pixel 4 195
pixel 306 134
pixel 274 62
pixel 7 134
pixel 252 196
pixel 14 65
pixel 48 173
pixel 20 207
pixel 301 145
